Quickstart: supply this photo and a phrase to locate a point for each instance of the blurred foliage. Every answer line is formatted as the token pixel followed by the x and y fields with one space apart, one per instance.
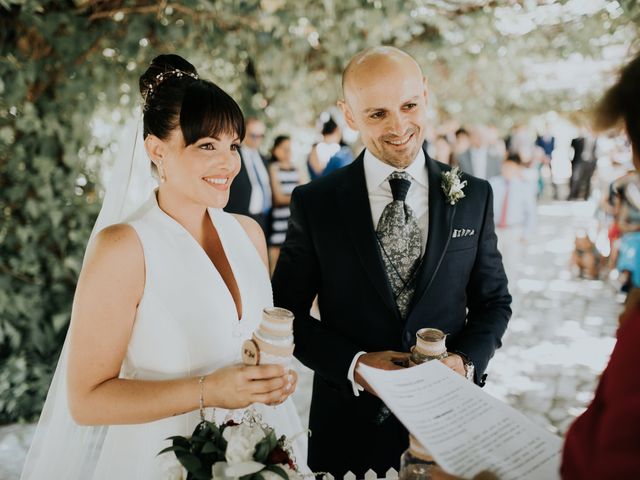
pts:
pixel 67 65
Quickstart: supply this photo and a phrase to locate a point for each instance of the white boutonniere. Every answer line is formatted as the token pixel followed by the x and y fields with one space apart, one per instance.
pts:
pixel 452 185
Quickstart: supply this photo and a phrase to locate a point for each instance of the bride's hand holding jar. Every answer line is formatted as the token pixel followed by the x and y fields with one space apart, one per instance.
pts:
pixel 238 386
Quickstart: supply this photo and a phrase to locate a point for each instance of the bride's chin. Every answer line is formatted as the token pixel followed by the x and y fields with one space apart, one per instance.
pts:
pixel 218 201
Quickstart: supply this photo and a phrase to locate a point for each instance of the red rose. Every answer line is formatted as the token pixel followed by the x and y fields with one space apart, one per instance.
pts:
pixel 278 457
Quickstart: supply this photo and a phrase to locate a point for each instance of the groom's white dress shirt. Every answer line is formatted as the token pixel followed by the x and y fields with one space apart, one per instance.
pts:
pixel 379 191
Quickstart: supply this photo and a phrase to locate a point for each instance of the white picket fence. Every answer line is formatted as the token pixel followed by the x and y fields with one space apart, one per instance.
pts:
pixel 391 474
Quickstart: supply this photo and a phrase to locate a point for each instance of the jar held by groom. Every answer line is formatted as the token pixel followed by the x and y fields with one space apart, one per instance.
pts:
pixel 375 242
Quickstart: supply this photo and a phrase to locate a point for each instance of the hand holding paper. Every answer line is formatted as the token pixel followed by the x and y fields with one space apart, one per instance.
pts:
pixel 464 428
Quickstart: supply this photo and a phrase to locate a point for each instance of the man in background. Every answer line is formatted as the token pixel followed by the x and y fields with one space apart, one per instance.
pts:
pixel 250 192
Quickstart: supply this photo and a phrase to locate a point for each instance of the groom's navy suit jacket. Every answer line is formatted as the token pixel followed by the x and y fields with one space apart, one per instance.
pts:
pixel 331 251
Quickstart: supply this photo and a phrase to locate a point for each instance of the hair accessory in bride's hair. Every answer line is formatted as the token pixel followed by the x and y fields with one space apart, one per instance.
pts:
pixel 161 77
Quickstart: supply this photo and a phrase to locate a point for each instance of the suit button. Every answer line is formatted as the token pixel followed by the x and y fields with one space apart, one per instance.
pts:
pixel 408 337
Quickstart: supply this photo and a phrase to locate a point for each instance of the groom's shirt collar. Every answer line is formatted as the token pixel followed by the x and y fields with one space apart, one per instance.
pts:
pixel 376 171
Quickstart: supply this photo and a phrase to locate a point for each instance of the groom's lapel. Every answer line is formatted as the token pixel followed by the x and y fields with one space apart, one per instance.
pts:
pixel 441 215
pixel 355 212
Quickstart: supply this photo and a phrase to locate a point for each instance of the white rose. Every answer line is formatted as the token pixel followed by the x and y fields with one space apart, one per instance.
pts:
pixel 292 474
pixel 241 442
pixel 175 473
pixel 171 468
pixel 225 471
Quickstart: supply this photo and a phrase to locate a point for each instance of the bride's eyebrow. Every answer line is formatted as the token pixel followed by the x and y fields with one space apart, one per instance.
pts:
pixel 204 140
pixel 207 139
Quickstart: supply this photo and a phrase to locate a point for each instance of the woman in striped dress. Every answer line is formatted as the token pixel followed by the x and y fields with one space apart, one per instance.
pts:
pixel 284 178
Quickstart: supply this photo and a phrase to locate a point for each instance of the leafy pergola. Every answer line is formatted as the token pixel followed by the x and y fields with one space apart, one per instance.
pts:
pixel 65 64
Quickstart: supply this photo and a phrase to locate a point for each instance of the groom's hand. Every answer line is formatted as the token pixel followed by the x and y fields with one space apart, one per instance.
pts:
pixel 388 360
pixel 455 363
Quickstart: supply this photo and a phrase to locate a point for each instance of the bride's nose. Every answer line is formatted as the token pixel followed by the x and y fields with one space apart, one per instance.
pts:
pixel 228 162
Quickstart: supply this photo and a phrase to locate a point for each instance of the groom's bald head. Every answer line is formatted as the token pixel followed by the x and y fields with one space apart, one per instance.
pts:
pixel 375 61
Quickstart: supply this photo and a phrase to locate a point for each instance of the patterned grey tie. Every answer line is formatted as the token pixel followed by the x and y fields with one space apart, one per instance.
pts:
pixel 400 242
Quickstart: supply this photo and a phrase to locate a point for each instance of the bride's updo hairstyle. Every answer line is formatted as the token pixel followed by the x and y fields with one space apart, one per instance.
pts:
pixel 175 96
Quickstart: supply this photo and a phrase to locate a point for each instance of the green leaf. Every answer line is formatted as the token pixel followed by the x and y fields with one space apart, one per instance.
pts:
pixel 179 441
pixel 209 447
pixel 272 439
pixel 190 462
pixel 264 447
pixel 173 449
pixel 202 474
pixel 277 470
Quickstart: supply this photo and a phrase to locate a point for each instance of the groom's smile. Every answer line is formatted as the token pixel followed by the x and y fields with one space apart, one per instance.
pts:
pixel 400 142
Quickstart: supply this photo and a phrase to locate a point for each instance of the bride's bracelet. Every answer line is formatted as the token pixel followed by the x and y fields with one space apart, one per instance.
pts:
pixel 201 382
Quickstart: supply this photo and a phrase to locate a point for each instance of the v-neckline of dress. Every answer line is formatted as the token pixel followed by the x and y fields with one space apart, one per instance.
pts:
pixel 211 212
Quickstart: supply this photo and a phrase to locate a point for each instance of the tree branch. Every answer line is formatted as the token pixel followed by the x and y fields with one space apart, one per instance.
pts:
pixel 230 23
pixel 20 276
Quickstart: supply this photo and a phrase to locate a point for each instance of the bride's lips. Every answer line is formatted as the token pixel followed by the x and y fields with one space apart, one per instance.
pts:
pixel 218 182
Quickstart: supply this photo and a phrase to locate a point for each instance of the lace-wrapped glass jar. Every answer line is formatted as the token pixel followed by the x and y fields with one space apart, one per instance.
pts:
pixel 272 342
pixel 416 463
pixel 430 345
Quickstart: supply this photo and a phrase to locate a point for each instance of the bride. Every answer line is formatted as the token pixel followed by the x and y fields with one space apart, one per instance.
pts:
pixel 164 301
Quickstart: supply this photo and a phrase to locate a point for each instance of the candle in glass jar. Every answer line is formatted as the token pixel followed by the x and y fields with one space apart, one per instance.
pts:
pixel 430 345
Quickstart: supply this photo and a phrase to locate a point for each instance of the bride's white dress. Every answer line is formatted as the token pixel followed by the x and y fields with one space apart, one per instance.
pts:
pixel 187 325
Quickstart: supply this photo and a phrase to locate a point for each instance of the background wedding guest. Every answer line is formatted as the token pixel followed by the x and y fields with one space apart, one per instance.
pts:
pixel 461 147
pixel 547 142
pixel 520 141
pixel 496 148
pixel 479 161
pixel 583 165
pixel 341 158
pixel 487 151
pixel 251 191
pixel 442 150
pixel 626 213
pixel 626 200
pixel 284 178
pixel 514 208
pixel 322 152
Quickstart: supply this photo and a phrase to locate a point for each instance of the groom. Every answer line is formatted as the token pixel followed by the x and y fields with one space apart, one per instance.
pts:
pixel 387 254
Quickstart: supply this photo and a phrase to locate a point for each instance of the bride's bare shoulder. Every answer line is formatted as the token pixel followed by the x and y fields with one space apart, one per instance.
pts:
pixel 255 233
pixel 114 248
pixel 120 238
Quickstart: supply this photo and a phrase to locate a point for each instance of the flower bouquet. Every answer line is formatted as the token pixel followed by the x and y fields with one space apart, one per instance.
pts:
pixel 248 450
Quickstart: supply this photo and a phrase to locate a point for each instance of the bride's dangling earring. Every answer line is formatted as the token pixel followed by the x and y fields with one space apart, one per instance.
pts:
pixel 163 177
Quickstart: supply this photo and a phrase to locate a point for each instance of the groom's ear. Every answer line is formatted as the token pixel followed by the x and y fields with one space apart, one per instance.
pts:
pixel 155 148
pixel 348 116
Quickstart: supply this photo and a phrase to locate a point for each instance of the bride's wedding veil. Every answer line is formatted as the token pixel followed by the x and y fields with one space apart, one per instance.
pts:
pixel 62 449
